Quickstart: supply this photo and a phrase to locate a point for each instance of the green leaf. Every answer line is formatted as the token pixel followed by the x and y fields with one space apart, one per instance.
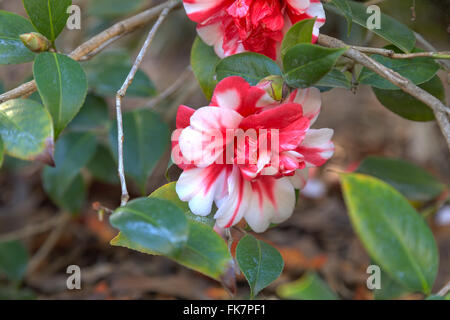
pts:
pixel 62 85
pixel 48 16
pixel 412 181
pixel 249 65
pixel 309 287
pixel 346 10
pixel 390 289
pixel 203 62
pixel 93 115
pixel 12 50
pixel 260 262
pixel 391 30
pixel 12 292
pixel 155 224
pixel 168 192
pixel 107 72
pixel 305 64
pixel 418 70
pixel 205 251
pixel 114 8
pixel 407 106
pixel 146 139
pixel 301 32
pixel 13 260
pixel 103 166
pixel 394 234
pixel 73 151
pixel 335 79
pixel 26 130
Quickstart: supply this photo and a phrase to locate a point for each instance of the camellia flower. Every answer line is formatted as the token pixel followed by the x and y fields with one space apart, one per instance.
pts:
pixel 247 152
pixel 235 26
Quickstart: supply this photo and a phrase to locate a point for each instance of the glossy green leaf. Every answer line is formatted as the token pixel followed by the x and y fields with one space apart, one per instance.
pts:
pixel 391 29
pixel 418 70
pixel 155 224
pixel 301 32
pixel 412 181
pixel 407 106
pixel 146 139
pixel 306 64
pixel 168 192
pixel 107 72
pixel 13 260
pixel 12 50
pixel 346 10
pixel 205 251
pixel 309 287
pixel 48 16
pixel 94 115
pixel 260 262
pixel 62 85
pixel 73 151
pixel 335 79
pixel 249 65
pixel 114 8
pixel 203 62
pixel 26 130
pixel 390 289
pixel 102 166
pixel 393 233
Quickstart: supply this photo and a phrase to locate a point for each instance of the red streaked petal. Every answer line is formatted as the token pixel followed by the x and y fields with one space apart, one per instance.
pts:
pixel 300 178
pixel 292 135
pixel 317 147
pixel 199 186
pixel 272 201
pixel 310 100
pixel 275 118
pixel 184 115
pixel 235 93
pixel 233 207
pixel 200 10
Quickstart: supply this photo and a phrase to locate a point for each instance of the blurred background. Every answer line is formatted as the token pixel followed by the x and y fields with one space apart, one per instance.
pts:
pixel 318 238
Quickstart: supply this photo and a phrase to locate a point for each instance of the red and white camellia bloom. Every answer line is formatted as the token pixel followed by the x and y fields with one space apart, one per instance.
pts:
pixel 247 153
pixel 235 26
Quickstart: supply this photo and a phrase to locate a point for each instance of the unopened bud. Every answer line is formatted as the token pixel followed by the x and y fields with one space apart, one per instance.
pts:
pixel 274 86
pixel 36 42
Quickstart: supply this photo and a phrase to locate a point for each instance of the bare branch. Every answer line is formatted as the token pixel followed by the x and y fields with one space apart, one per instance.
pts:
pixel 439 109
pixel 109 35
pixel 122 92
pixel 49 243
pixel 394 55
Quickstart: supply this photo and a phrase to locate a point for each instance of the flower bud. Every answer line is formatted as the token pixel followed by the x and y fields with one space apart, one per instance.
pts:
pixel 274 86
pixel 35 42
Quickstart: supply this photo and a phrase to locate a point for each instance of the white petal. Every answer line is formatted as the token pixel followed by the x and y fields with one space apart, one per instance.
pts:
pixel 273 201
pixel 310 100
pixel 233 207
pixel 199 187
pixel 300 178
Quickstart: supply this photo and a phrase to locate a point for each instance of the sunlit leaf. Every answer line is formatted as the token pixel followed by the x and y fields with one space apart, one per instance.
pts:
pixel 393 233
pixel 309 287
pixel 12 50
pixel 301 32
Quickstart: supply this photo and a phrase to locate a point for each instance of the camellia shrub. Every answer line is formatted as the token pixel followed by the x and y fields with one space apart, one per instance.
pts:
pixel 241 160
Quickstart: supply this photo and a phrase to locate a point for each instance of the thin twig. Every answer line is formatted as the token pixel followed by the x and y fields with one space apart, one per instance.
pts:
pixel 394 55
pixel 439 109
pixel 122 92
pixel 171 89
pixel 115 32
pixel 30 230
pixel 49 244
pixel 444 290
pixel 428 46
